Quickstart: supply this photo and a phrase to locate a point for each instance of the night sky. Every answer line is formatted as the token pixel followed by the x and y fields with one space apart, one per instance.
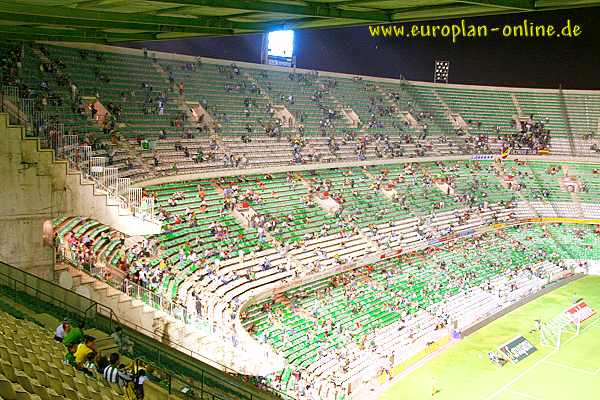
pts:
pixel 573 63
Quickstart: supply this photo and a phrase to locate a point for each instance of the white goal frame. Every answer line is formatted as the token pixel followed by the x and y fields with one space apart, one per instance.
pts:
pixel 552 331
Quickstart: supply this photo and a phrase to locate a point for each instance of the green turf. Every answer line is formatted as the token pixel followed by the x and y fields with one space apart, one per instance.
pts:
pixel 464 372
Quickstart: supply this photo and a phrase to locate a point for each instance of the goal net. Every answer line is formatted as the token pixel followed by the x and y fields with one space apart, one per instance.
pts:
pixel 564 323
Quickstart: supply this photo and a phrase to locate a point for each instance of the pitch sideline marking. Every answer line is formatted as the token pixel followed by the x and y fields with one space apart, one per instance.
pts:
pixel 526 395
pixel 534 365
pixel 580 370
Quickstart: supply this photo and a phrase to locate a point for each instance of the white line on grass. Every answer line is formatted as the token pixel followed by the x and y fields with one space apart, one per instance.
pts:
pixel 561 365
pixel 538 362
pixel 526 395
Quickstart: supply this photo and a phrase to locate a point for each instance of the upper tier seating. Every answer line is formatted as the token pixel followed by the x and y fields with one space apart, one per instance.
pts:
pixel 396 119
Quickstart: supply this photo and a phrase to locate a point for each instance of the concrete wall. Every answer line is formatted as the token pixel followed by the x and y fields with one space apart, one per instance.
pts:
pixel 35 188
pixel 27 199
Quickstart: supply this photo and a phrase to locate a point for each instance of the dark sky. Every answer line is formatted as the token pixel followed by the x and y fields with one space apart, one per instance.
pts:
pixel 531 62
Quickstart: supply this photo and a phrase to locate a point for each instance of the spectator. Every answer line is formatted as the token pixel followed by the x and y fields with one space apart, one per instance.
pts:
pixel 75 335
pixel 62 330
pixel 138 384
pixel 114 374
pixel 101 363
pixel 84 349
pixel 70 356
pixel 89 366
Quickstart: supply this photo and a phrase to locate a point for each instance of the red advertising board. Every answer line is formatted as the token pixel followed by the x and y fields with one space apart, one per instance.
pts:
pixel 580 311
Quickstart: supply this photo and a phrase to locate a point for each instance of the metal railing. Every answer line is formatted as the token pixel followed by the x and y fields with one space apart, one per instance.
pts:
pixel 116 278
pixel 10 93
pixel 52 135
pixel 104 272
pixel 70 303
pixel 178 362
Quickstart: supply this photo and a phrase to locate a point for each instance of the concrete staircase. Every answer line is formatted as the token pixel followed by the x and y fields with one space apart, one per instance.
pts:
pixel 456 119
pixel 577 204
pixel 565 115
pixel 373 247
pixel 403 115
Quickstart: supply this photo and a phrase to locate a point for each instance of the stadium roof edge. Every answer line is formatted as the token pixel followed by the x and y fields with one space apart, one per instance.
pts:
pixel 176 19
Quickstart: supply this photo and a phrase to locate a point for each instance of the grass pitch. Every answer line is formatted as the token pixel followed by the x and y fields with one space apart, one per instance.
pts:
pixel 463 371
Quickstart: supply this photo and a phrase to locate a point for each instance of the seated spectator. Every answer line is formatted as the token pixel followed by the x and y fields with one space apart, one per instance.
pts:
pixel 136 387
pixel 70 356
pixel 89 367
pixel 75 335
pixel 114 373
pixel 62 330
pixel 101 363
pixel 84 349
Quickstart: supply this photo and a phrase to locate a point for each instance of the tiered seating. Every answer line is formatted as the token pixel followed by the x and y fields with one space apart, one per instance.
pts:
pixel 126 75
pixel 118 78
pixel 285 201
pixel 589 176
pixel 105 242
pixel 583 112
pixel 410 208
pixel 423 100
pixel 280 85
pixel 538 183
pixel 365 308
pixel 361 202
pixel 544 105
pixel 31 367
pixel 477 198
pixel 198 236
pixel 58 103
pixel 491 108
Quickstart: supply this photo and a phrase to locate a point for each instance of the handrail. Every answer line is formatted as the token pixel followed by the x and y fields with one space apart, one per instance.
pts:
pixel 27 115
pixel 71 309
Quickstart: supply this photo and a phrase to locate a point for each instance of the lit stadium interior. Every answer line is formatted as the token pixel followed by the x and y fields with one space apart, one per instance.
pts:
pixel 208 199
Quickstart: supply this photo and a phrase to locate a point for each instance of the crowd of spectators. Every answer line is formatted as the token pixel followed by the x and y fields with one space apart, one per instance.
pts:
pixel 530 134
pixel 358 336
pixel 83 355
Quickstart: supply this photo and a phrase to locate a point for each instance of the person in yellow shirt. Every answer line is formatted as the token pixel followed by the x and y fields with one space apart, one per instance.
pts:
pixel 85 348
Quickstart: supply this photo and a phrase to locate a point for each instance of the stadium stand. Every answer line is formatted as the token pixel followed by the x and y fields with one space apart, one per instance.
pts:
pixel 477 194
pixel 331 328
pixel 325 118
pixel 41 375
pixel 361 248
